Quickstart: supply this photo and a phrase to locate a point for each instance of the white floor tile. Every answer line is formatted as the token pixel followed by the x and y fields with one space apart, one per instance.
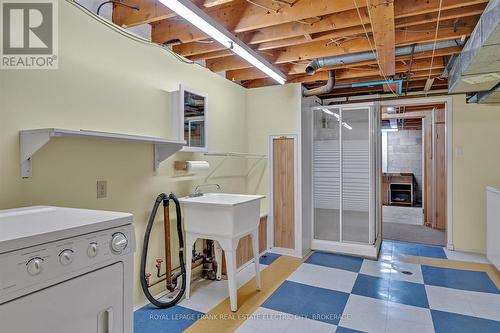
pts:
pixel 472 303
pixel 399 326
pixel 365 314
pixel 392 270
pixel 415 269
pixel 449 300
pixel 301 325
pixel 205 295
pixel 267 320
pixel 324 277
pixel 401 312
pixel 466 256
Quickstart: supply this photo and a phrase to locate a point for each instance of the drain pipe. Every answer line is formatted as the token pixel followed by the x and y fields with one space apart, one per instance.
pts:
pixel 328 87
pixel 365 56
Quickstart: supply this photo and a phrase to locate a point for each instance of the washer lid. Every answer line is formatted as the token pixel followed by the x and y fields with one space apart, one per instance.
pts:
pixel 29 226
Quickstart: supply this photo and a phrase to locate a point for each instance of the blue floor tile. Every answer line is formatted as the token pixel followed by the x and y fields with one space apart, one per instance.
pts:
pixel 371 286
pixel 445 322
pixel 268 258
pixel 459 279
pixel 386 247
pixel 422 250
pixel 315 303
pixel 348 263
pixel 403 292
pixel 347 330
pixel 432 252
pixel 408 293
pixel 150 319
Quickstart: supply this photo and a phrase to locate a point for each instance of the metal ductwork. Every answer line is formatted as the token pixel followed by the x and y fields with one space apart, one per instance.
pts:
pixel 364 56
pixel 477 69
pixel 328 87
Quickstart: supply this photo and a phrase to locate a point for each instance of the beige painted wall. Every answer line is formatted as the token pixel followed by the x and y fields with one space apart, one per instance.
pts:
pixel 270 111
pixel 476 129
pixel 108 82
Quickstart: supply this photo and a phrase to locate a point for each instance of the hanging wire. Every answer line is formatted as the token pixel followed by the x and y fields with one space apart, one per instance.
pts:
pixel 435 38
pixel 369 41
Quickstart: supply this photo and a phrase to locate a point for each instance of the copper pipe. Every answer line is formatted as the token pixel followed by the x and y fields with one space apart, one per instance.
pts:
pixel 163 279
pixel 168 259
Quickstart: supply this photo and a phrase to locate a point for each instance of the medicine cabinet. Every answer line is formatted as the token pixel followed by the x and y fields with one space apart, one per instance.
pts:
pixel 190 118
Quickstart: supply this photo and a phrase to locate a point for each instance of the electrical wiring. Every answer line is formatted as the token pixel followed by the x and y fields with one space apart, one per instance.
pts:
pixel 369 41
pixel 129 35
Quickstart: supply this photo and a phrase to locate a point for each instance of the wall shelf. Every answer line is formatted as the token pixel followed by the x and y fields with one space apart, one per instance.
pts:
pixel 32 140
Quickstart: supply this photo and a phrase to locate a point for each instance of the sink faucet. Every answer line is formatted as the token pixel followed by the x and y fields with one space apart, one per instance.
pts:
pixel 198 193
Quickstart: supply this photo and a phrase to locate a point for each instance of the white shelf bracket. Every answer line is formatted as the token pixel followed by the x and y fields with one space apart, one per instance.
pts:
pixel 30 143
pixel 162 152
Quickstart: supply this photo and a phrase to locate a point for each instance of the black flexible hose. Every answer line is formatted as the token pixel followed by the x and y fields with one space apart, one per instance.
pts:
pixel 162 198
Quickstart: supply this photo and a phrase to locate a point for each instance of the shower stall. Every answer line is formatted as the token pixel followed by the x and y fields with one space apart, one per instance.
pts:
pixel 345 178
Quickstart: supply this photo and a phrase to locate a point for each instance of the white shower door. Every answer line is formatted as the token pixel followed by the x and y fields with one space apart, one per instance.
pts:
pixel 345 165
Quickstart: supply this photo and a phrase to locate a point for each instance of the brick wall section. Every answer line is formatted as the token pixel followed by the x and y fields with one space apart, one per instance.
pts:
pixel 404 154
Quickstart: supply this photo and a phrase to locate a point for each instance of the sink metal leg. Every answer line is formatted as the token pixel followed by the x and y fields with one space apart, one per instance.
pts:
pixel 190 240
pixel 231 277
pixel 255 248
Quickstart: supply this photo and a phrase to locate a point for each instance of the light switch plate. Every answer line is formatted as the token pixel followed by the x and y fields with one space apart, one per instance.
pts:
pixel 102 189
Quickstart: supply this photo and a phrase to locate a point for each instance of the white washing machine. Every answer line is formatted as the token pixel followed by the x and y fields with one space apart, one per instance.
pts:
pixel 66 270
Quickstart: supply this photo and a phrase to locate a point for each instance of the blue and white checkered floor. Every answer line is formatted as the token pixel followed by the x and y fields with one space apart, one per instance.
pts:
pixel 335 293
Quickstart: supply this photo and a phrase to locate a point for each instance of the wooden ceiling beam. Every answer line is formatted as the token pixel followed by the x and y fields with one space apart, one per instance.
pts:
pixel 241 17
pixel 228 16
pixel 334 16
pixel 354 77
pixel 151 11
pixel 420 69
pixel 424 34
pixel 318 49
pixel 381 14
pixel 253 17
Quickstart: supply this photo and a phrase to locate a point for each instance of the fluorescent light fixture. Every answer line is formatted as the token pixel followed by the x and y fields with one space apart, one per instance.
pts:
pixel 389 129
pixel 332 113
pixel 346 125
pixel 205 23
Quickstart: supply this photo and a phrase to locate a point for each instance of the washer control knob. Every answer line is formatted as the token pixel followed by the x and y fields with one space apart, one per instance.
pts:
pixel 92 250
pixel 66 257
pixel 34 266
pixel 119 243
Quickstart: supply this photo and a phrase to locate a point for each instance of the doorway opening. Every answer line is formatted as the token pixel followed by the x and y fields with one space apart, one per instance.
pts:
pixel 414 172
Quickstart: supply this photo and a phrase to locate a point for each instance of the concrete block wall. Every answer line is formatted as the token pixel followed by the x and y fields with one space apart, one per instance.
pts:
pixel 404 154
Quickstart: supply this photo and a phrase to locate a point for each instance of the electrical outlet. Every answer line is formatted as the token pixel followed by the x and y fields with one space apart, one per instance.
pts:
pixel 102 189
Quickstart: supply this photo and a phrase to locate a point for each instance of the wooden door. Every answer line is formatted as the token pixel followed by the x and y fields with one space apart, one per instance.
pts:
pixel 283 170
pixel 440 179
pixel 428 181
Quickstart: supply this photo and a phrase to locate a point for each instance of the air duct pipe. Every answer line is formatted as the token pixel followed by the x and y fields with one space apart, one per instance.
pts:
pixel 328 87
pixel 365 56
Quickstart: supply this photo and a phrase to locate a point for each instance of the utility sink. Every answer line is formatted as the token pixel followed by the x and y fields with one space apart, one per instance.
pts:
pixel 221 214
pixel 223 218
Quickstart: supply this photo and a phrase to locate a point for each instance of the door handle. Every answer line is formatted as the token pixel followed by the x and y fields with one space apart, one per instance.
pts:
pixel 105 321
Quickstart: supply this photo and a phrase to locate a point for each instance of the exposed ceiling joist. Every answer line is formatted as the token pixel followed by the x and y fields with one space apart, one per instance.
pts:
pixel 381 14
pixel 318 49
